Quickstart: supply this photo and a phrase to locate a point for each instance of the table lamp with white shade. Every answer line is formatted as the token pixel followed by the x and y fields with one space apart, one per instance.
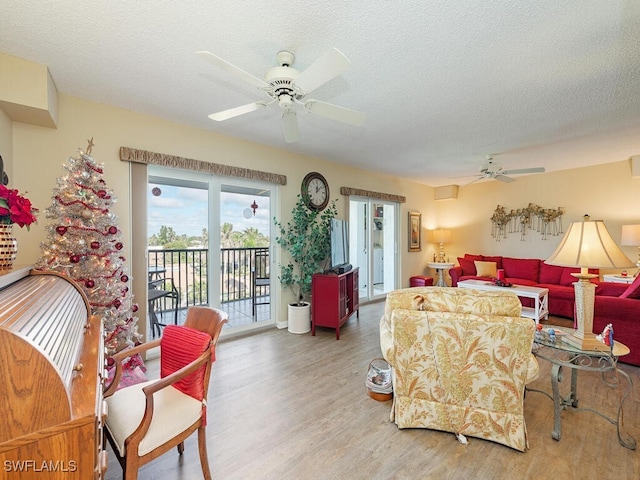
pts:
pixel 587 244
pixel 631 237
pixel 441 236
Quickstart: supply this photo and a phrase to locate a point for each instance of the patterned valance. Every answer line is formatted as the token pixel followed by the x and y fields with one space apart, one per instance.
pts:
pixel 134 155
pixel 368 193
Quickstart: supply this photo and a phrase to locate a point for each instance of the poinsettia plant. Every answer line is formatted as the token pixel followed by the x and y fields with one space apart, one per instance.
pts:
pixel 15 208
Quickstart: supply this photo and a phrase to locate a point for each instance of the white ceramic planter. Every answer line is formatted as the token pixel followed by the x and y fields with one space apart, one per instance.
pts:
pixel 299 318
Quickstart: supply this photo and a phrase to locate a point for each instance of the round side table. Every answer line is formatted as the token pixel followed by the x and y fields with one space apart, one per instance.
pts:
pixel 440 268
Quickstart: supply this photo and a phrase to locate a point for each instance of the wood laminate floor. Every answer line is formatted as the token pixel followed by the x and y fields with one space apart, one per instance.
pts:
pixel 285 406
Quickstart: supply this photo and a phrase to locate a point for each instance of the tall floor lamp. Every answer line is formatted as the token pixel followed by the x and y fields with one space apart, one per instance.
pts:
pixel 587 244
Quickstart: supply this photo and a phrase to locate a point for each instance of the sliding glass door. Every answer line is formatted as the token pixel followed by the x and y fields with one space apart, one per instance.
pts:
pixel 373 234
pixel 211 235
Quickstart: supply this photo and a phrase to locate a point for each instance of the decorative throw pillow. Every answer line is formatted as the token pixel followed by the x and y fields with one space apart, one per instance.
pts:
pixel 180 346
pixel 468 267
pixel 486 269
pixel 633 291
pixel 497 259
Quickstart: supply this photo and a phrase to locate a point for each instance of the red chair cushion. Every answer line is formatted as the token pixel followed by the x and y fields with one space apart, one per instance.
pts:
pixel 567 279
pixel 525 268
pixel 498 260
pixel 180 346
pixel 468 266
pixel 633 291
pixel 551 273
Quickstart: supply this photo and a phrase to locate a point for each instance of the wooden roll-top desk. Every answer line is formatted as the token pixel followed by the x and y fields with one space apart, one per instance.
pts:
pixel 51 378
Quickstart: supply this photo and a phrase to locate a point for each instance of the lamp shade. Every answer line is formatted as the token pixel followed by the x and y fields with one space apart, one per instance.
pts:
pixel 630 235
pixel 588 244
pixel 441 235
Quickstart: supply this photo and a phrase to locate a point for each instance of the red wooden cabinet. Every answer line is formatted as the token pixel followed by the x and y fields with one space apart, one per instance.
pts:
pixel 334 298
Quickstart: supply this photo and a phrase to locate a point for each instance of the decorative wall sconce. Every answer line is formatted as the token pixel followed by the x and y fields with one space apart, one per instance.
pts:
pixel 546 221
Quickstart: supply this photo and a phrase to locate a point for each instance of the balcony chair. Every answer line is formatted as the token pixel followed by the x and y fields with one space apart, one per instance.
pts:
pixel 260 281
pixel 148 419
pixel 162 288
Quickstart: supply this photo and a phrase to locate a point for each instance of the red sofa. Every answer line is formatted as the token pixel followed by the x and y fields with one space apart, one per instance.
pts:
pixel 615 303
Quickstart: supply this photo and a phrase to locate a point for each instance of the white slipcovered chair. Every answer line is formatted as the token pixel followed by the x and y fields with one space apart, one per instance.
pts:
pixel 461 359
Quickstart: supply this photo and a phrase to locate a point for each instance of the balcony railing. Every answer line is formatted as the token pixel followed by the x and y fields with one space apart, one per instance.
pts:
pixel 188 269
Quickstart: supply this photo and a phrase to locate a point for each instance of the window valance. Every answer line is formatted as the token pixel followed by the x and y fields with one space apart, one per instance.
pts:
pixel 371 194
pixel 135 155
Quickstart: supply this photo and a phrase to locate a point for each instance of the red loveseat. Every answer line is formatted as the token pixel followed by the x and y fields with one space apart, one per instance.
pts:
pixel 615 303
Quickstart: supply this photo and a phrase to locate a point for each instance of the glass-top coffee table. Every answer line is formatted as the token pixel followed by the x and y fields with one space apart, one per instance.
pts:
pixel 561 355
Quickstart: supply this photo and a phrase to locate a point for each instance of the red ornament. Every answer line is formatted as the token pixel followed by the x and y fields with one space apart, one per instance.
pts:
pixel 124 278
pixel 134 309
pixel 89 284
pixel 113 230
pixel 117 303
pixel 119 246
pixel 95 245
pixel 74 258
pixel 61 230
pixel 102 193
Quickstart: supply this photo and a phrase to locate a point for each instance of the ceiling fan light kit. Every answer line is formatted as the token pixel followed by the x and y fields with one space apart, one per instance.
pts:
pixel 289 87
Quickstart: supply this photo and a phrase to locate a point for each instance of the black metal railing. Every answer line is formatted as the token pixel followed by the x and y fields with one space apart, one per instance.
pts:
pixel 188 269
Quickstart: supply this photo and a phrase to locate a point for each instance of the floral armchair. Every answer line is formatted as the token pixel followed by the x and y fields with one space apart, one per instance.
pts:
pixel 461 359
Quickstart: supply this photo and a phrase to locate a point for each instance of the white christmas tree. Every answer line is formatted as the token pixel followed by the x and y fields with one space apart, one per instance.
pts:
pixel 84 243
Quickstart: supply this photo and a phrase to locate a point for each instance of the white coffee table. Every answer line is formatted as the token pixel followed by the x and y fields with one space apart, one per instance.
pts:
pixel 540 296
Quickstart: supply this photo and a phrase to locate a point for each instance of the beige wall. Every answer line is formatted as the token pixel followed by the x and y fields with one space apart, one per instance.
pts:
pixel 40 152
pixel 6 143
pixel 605 192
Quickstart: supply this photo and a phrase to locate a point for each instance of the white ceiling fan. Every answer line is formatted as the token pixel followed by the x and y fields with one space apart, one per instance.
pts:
pixel 289 87
pixel 493 170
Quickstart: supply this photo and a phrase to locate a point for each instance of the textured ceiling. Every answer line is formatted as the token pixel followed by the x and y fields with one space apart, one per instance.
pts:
pixel 443 82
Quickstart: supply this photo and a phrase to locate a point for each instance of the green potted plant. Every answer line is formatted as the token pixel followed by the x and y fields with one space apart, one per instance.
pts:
pixel 306 238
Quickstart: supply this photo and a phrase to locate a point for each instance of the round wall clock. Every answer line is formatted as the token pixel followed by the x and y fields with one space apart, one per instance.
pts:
pixel 315 191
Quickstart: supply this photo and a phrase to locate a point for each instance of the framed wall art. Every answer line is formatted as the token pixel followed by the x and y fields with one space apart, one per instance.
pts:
pixel 415 231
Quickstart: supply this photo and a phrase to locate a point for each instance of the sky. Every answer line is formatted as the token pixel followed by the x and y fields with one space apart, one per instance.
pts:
pixel 185 210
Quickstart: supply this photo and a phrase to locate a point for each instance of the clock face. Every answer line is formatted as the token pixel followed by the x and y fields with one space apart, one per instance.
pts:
pixel 315 191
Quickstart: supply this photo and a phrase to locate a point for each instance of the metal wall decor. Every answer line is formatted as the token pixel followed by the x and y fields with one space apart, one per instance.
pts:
pixel 546 221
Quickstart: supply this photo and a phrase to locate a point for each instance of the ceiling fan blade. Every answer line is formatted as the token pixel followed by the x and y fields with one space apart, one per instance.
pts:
pixel 228 67
pixel 334 112
pixel 290 127
pixel 504 178
pixel 480 177
pixel 328 66
pixel 524 170
pixel 237 111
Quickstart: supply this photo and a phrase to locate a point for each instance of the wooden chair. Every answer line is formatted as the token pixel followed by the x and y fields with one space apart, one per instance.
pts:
pixel 147 420
pixel 260 280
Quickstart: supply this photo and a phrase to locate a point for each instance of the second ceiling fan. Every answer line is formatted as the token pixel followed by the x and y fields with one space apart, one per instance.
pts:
pixel 493 170
pixel 289 87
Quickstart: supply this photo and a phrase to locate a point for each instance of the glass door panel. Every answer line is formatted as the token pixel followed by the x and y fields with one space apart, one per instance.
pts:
pixel 373 245
pixel 212 237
